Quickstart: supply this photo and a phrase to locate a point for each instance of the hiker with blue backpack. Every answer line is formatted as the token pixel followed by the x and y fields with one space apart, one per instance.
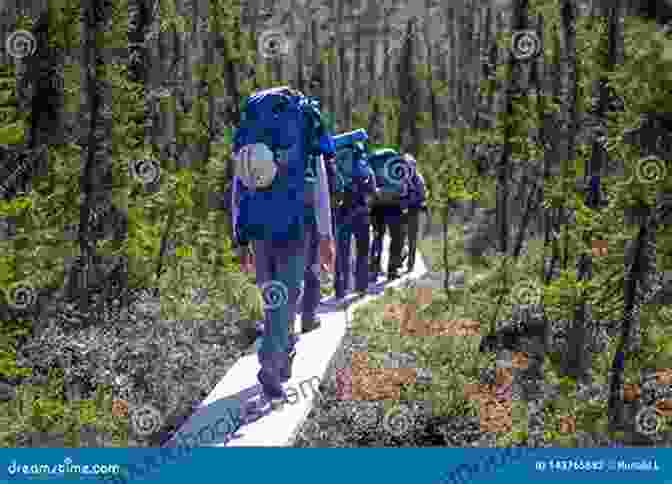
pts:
pixel 279 188
pixel 312 287
pixel 353 190
pixel 413 204
pixel 393 173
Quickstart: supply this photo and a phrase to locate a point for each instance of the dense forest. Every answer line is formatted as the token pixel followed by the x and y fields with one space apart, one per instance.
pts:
pixel 542 128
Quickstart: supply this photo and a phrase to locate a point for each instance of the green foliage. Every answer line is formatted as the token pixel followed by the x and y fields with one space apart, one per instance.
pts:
pixel 13 134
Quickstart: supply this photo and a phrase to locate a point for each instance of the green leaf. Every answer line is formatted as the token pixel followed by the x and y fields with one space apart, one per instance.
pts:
pixel 14 134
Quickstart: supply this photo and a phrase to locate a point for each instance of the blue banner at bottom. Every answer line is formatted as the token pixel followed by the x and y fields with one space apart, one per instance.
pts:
pixel 389 466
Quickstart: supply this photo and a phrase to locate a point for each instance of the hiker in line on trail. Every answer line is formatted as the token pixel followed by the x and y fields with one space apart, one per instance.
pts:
pixel 414 204
pixel 312 287
pixel 387 213
pixel 280 183
pixel 355 187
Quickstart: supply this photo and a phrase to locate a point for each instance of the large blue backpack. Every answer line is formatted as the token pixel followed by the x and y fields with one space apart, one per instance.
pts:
pixel 287 126
pixel 350 159
pixel 392 176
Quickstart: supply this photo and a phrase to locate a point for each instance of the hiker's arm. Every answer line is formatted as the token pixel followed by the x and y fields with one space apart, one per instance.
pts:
pixel 417 192
pixel 238 244
pixel 323 203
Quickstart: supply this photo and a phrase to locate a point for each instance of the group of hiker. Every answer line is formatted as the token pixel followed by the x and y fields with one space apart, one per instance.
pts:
pixel 299 196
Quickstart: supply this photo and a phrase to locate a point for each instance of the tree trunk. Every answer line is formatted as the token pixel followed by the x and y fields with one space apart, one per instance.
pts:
pixel 574 361
pixel 96 179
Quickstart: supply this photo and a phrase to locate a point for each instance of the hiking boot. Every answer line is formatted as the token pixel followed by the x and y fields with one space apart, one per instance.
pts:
pixel 261 405
pixel 310 325
pixel 287 374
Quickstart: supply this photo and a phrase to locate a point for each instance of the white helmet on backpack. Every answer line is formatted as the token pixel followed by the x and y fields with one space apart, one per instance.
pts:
pixel 255 166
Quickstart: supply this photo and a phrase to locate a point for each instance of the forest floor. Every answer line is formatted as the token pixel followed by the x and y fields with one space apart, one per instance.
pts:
pixel 411 374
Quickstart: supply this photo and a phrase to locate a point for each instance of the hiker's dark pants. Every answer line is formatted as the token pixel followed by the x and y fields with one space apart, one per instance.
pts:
pixel 382 221
pixel 311 289
pixel 280 271
pixel 412 230
pixel 347 226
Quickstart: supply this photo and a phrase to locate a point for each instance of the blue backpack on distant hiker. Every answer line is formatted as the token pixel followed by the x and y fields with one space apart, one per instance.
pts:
pixel 393 175
pixel 276 155
pixel 350 159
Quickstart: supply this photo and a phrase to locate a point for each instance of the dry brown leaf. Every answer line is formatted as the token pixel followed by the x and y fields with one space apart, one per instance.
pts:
pixel 377 384
pixel 664 408
pixel 496 416
pixel 520 360
pixel 393 311
pixel 567 424
pixel 457 327
pixel 600 248
pixel 631 392
pixel 664 377
pixel 495 413
pixel 504 376
pixel 120 408
pixel 424 295
pixel 471 390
